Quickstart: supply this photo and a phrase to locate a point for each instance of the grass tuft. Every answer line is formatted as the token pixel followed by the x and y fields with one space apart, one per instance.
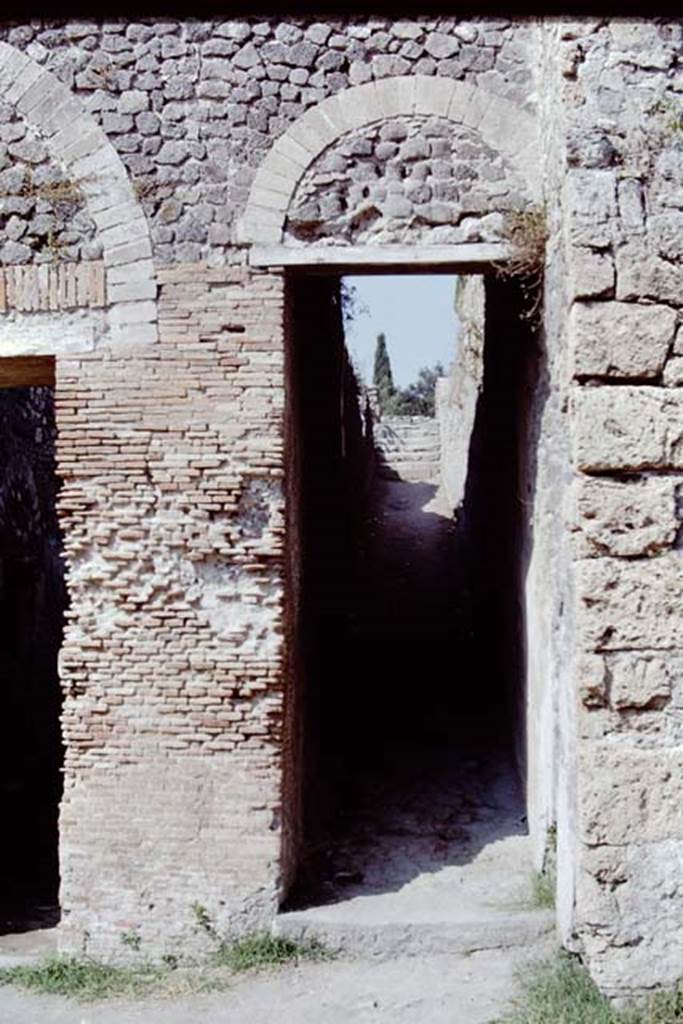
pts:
pixel 88 980
pixel 82 979
pixel 265 950
pixel 560 991
pixel 543 890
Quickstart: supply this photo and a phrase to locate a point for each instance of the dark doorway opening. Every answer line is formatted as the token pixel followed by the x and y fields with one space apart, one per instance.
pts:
pixel 407 698
pixel 32 603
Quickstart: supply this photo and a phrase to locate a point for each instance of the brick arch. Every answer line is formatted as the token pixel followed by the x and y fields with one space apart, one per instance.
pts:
pixel 504 125
pixel 74 139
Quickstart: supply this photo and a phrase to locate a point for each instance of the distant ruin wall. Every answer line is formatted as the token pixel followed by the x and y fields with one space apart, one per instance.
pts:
pixel 457 394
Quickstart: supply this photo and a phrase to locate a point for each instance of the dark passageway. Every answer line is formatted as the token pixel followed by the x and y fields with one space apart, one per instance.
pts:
pixel 32 602
pixel 410 637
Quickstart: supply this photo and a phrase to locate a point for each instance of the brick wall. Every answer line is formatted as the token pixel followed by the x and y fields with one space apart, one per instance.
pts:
pixel 172 508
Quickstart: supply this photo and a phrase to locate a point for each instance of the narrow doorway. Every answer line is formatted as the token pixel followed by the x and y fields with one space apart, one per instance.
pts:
pixel 407 676
pixel 32 603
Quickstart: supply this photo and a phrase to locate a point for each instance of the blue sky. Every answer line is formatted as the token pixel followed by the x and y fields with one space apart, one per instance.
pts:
pixel 415 312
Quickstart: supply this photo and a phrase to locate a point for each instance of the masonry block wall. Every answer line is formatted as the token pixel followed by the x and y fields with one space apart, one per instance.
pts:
pixel 160 156
pixel 623 211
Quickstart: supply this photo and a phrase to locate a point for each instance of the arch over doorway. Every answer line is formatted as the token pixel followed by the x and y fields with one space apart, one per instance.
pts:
pixel 504 125
pixel 75 140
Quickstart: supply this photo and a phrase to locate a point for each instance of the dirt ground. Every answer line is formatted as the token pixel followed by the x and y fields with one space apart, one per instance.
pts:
pixel 473 989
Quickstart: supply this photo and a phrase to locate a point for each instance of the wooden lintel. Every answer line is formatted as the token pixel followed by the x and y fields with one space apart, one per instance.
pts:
pixel 27 371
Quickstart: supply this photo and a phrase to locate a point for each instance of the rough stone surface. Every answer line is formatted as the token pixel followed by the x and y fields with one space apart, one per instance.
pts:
pixel 457 394
pixel 625 518
pixel 221 99
pixel 43 212
pixel 406 179
pixel 629 429
pixel 626 606
pixel 621 340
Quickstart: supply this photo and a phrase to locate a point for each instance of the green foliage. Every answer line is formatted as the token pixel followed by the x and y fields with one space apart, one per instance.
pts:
pixel 542 889
pixel 351 306
pixel 204 922
pixel 418 398
pixel 560 991
pixel 526 232
pixel 259 949
pixel 662 1008
pixel 82 979
pixel 265 950
pixel 89 980
pixel 131 939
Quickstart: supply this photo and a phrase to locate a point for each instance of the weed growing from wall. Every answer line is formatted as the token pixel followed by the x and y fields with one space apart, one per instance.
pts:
pixel 526 234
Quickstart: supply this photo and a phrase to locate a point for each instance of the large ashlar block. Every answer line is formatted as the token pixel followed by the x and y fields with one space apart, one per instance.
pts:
pixel 638 681
pixel 590 203
pixel 620 339
pixel 630 794
pixel 591 274
pixel 632 605
pixel 624 518
pixel 642 274
pixel 628 428
pixel 629 896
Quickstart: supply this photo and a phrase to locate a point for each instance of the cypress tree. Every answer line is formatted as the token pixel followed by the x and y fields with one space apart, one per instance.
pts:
pixel 382 377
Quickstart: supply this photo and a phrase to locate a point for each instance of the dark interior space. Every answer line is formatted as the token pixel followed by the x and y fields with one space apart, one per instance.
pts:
pixel 32 603
pixel 409 658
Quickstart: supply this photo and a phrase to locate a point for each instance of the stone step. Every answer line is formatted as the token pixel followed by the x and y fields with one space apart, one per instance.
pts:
pixel 21 948
pixel 410 470
pixel 410 456
pixel 340 929
pixel 398 448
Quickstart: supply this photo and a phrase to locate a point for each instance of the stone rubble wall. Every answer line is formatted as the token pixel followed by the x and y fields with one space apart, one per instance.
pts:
pixel 406 180
pixel 192 107
pixel 43 214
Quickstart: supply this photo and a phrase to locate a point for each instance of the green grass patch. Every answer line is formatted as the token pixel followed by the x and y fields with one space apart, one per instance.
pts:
pixel 543 889
pixel 265 950
pixel 662 1008
pixel 560 991
pixel 82 978
pixel 88 980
